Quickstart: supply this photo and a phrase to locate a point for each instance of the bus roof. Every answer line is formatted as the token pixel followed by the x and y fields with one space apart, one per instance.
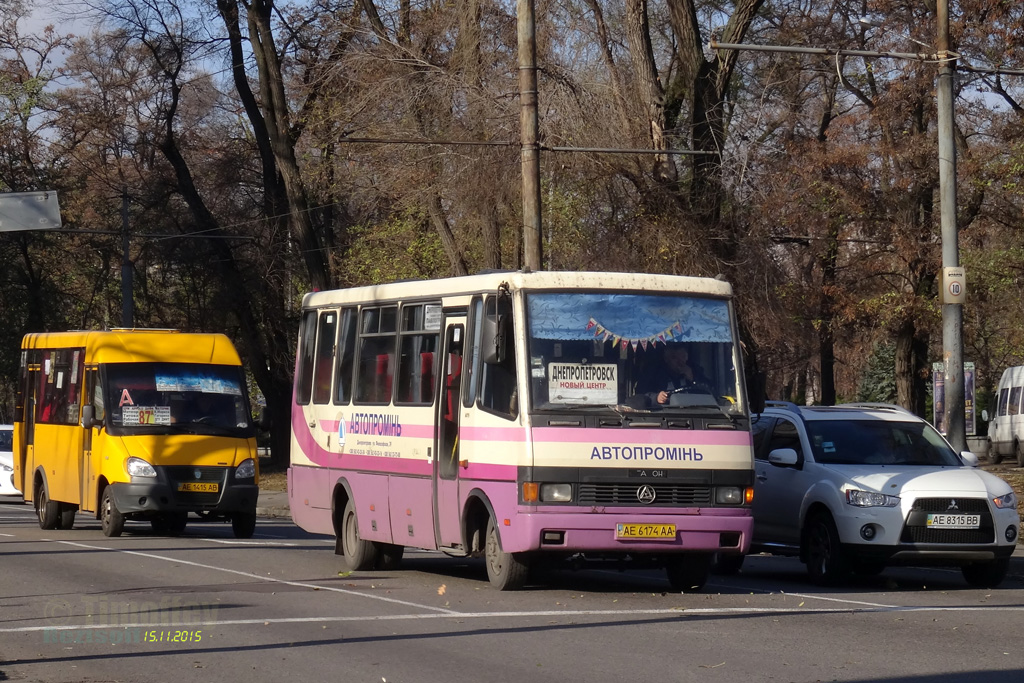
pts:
pixel 520 280
pixel 140 346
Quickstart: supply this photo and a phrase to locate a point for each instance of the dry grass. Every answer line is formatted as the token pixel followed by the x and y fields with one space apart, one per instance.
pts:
pixel 272 478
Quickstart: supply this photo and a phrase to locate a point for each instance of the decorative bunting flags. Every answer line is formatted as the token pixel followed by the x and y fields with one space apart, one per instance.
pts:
pixel 663 336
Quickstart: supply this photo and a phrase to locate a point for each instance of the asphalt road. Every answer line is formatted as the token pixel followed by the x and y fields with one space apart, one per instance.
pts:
pixel 77 606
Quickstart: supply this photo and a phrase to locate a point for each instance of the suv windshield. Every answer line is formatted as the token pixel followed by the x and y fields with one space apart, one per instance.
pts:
pixel 176 397
pixel 879 442
pixel 6 440
pixel 634 351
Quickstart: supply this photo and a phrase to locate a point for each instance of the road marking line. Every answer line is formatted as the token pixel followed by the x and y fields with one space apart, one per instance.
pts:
pixel 679 612
pixel 262 578
pixel 229 541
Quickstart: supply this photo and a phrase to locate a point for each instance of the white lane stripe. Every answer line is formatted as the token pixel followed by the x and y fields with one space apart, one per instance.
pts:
pixel 572 614
pixel 262 578
pixel 235 541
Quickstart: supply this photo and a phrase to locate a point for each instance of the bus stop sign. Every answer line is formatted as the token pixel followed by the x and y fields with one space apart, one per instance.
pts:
pixel 29 211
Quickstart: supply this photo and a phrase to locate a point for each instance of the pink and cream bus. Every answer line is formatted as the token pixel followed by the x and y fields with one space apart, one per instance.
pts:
pixel 524 416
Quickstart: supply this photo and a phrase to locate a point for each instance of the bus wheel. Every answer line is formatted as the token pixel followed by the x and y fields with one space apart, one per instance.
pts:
pixel 506 571
pixel 67 515
pixel 359 555
pixel 175 523
pixel 47 510
pixel 243 524
pixel 688 572
pixel 111 518
pixel 389 556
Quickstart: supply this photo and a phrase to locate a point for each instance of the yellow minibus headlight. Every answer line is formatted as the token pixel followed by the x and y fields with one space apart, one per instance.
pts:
pixel 137 467
pixel 247 470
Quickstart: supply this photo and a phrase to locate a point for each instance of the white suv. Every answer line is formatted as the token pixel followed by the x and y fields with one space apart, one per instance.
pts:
pixel 858 487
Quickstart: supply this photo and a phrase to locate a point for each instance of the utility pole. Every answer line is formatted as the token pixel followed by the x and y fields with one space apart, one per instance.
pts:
pixel 952 312
pixel 127 297
pixel 530 153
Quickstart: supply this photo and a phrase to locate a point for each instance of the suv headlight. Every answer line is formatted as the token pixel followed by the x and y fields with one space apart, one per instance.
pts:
pixel 247 470
pixel 870 499
pixel 137 467
pixel 1009 501
pixel 4 467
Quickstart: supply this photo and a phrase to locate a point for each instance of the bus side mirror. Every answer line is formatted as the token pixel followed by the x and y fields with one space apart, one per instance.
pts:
pixel 263 418
pixel 89 416
pixel 755 391
pixel 495 330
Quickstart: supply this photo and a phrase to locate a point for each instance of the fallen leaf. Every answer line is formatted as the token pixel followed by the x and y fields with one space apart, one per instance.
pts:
pixel 442 589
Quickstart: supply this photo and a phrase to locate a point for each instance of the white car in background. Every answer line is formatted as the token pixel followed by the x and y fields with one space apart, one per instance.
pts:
pixel 7 462
pixel 859 487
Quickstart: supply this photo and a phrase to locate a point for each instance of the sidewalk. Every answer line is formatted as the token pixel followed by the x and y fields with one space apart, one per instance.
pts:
pixel 273 504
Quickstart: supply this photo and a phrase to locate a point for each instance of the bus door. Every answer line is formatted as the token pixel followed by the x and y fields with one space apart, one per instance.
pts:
pixel 447 524
pixel 30 387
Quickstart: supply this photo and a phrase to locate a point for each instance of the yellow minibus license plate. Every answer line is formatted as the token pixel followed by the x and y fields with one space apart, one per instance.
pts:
pixel 646 532
pixel 198 487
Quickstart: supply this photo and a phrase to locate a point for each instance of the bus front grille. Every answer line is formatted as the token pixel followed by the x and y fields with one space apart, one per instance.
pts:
pixel 684 495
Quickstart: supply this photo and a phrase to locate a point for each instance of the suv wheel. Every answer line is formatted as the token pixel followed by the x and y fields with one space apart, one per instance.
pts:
pixel 826 563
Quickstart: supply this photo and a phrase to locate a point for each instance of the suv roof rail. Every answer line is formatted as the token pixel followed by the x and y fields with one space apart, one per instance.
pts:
pixel 878 406
pixel 787 405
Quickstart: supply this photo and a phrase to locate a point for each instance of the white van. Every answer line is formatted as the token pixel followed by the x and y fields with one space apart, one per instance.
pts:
pixel 1006 427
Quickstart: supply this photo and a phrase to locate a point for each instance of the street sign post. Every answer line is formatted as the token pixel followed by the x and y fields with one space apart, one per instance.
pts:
pixel 29 211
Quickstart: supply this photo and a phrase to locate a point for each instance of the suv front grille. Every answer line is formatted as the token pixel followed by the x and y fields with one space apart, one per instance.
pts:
pixel 916 530
pixel 683 495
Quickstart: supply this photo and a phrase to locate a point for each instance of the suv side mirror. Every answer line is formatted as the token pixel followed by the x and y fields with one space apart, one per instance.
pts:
pixel 784 457
pixel 984 415
pixel 970 459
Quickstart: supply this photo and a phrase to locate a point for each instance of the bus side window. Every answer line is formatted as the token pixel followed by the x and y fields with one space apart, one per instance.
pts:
pixel 420 333
pixel 498 388
pixel 307 349
pixel 346 353
pixel 326 336
pixel 377 339
pixel 96 394
pixel 473 358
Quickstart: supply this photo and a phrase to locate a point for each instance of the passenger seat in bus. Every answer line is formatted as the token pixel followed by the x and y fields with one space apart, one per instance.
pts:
pixel 382 380
pixel 426 377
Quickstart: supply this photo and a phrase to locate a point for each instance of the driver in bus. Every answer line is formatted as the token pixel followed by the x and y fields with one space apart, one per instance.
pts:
pixel 677 375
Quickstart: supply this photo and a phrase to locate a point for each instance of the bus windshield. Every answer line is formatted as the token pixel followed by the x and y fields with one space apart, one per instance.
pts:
pixel 176 397
pixel 634 352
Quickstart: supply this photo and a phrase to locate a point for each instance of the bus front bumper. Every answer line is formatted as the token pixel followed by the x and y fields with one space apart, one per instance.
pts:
pixel 135 498
pixel 704 530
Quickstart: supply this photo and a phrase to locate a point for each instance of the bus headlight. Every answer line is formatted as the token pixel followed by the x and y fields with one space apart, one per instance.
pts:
pixel 729 495
pixel 137 467
pixel 247 470
pixel 556 493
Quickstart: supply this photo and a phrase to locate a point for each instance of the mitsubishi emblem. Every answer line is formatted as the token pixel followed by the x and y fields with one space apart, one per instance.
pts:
pixel 952 506
pixel 645 494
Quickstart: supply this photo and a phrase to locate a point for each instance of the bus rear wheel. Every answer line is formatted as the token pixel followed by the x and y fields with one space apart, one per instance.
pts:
pixel 111 519
pixel 243 524
pixel 47 510
pixel 506 571
pixel 359 555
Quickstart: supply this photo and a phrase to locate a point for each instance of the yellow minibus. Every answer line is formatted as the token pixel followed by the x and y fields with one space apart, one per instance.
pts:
pixel 135 424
